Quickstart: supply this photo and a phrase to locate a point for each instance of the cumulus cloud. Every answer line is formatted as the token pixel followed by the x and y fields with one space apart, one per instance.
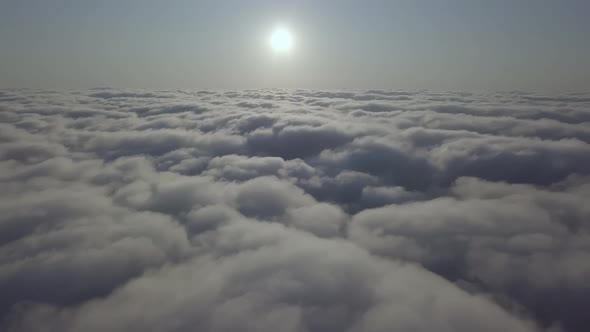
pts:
pixel 296 210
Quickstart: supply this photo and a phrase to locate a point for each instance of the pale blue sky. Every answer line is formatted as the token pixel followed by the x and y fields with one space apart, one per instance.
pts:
pixel 539 45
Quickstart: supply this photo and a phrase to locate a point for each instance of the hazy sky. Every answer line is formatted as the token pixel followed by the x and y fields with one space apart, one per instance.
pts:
pixel 537 45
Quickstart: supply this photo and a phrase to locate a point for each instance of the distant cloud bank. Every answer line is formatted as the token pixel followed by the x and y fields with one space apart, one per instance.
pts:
pixel 294 210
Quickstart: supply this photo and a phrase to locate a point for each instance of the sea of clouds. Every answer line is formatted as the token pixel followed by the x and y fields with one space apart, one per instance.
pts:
pixel 294 210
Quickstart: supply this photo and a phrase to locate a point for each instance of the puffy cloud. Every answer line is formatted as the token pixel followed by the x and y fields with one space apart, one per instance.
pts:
pixel 267 197
pixel 256 277
pixel 297 210
pixel 297 141
pixel 520 240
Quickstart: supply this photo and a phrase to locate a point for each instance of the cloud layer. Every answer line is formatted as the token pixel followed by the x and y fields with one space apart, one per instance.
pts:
pixel 296 210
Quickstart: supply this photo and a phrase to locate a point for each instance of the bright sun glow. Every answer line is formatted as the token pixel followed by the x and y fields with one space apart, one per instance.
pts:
pixel 281 40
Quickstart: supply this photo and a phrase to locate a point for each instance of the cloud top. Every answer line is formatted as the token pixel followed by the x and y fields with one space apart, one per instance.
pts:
pixel 296 210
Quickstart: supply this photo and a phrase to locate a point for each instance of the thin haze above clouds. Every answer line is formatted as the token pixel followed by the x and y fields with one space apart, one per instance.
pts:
pixel 297 210
pixel 481 45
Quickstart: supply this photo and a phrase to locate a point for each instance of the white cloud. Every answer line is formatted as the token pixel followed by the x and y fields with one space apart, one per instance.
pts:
pixel 294 210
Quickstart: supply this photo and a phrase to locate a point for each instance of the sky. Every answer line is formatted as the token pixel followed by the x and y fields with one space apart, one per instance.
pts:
pixel 501 45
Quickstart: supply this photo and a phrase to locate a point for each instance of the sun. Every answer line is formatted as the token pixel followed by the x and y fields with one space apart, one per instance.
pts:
pixel 281 40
